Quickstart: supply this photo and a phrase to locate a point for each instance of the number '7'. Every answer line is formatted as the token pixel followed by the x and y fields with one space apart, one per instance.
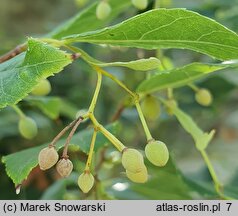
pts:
pixel 229 205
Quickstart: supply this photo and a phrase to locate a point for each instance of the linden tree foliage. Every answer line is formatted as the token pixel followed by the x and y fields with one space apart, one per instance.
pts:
pixel 49 105
pixel 152 30
pixel 179 76
pixel 19 75
pixel 77 23
pixel 168 28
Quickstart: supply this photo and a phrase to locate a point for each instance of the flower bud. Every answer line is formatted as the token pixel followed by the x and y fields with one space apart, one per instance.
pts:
pixel 47 158
pixel 86 181
pixel 203 97
pixel 157 153
pixel 139 177
pixel 64 167
pixel 132 160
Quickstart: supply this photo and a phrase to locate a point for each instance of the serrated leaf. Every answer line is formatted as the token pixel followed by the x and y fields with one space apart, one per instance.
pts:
pixel 178 77
pixel 48 105
pixel 168 28
pixel 139 65
pixel 19 164
pixel 201 138
pixel 86 19
pixel 19 75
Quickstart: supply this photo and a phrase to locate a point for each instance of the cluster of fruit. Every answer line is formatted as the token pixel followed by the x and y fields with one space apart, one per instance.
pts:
pixel 132 160
pixel 48 157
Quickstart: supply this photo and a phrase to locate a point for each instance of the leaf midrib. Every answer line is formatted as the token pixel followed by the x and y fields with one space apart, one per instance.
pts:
pixel 148 41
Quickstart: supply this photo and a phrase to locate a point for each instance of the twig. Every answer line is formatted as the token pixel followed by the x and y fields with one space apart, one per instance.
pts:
pixel 16 51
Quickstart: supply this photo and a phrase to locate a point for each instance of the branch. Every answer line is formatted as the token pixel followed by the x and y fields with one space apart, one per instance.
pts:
pixel 16 51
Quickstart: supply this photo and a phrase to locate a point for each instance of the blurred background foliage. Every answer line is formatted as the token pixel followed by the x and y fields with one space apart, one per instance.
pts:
pixel 186 176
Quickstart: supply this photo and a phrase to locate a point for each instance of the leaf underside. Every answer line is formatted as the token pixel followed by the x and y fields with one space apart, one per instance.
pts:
pixel 178 77
pixel 201 138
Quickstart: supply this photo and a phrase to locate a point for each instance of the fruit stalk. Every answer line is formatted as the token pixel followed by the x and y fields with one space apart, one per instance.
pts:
pixel 18 111
pixel 193 87
pixel 65 151
pixel 117 143
pixel 143 121
pixel 213 174
pixel 61 133
pixel 96 93
pixel 90 154
pixel 112 77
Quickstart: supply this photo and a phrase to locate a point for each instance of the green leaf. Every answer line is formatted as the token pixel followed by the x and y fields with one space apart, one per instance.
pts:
pixel 178 77
pixel 162 184
pixel 202 184
pixel 165 183
pixel 205 189
pixel 86 20
pixel 231 191
pixel 168 28
pixel 48 105
pixel 201 139
pixel 19 75
pixel 20 164
pixel 139 65
pixel 58 189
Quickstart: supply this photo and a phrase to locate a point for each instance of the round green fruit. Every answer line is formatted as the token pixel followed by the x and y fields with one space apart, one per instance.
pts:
pixel 132 160
pixel 42 88
pixel 157 153
pixel 150 107
pixel 139 177
pixel 140 4
pixel 203 97
pixel 86 181
pixel 103 10
pixel 27 127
